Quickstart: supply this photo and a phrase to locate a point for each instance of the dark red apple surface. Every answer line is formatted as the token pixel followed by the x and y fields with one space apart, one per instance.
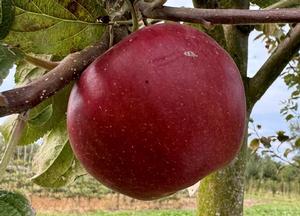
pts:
pixel 159 111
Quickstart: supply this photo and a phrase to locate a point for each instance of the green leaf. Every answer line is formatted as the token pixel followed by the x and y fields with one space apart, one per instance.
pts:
pixel 14 204
pixel 289 117
pixel 282 137
pixel 7 14
pixel 8 56
pixel 295 93
pixel 56 27
pixel 254 144
pixel 42 117
pixel 32 133
pixel 264 3
pixel 55 164
pixel 286 152
pixel 297 143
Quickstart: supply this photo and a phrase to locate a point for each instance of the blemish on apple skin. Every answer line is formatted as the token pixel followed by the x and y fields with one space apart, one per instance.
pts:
pixel 190 54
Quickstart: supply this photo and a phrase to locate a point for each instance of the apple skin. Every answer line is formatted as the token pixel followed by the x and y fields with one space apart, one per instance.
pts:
pixel 159 111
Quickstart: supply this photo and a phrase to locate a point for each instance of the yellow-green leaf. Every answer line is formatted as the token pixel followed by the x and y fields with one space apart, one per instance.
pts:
pixel 264 3
pixel 42 117
pixel 286 152
pixel 56 27
pixel 55 164
pixel 254 144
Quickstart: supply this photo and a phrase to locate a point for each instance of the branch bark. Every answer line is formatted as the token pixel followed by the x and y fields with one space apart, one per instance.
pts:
pixel 272 68
pixel 24 98
pixel 219 16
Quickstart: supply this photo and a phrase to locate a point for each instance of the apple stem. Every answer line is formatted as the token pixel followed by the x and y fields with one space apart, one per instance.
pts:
pixel 14 139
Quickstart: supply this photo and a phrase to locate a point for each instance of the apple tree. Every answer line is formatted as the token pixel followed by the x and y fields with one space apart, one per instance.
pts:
pixel 51 42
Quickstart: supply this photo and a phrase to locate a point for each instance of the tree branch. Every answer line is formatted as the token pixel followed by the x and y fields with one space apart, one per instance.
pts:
pixel 24 98
pixel 219 16
pixel 272 68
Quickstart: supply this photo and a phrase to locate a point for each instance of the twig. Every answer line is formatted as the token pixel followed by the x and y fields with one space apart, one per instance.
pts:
pixel 219 16
pixel 24 98
pixel 13 141
pixel 135 24
pixel 284 4
pixel 111 36
pixel 121 22
pixel 48 65
pixel 272 68
pixel 284 160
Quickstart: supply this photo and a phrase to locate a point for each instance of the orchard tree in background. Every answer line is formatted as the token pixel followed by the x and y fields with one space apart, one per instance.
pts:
pixel 51 42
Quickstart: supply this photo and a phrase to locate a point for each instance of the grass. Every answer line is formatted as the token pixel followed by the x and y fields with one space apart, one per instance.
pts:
pixel 259 210
pixel 264 206
pixel 130 213
pixel 274 210
pixel 275 206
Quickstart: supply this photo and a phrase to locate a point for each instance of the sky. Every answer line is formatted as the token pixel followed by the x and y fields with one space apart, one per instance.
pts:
pixel 266 111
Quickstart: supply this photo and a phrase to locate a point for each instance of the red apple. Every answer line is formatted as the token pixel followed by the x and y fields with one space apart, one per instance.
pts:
pixel 159 111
